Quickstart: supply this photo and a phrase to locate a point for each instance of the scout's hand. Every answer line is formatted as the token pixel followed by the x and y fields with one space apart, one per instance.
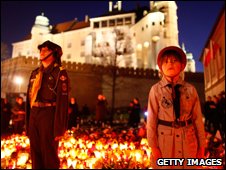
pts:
pixel 57 138
pixel 156 153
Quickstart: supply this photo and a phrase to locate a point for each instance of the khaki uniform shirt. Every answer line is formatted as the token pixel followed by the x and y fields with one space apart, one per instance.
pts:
pixel 173 142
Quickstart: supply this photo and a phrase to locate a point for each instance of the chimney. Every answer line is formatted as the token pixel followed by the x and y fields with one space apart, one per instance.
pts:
pixel 119 5
pixel 110 6
pixel 86 18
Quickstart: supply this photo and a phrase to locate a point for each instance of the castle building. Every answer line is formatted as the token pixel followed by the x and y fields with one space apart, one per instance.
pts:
pixel 213 58
pixel 127 39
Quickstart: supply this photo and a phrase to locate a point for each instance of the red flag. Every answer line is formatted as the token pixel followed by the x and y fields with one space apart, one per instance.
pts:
pixel 207 58
pixel 215 48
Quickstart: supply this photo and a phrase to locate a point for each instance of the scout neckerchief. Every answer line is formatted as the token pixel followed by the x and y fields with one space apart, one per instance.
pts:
pixel 36 85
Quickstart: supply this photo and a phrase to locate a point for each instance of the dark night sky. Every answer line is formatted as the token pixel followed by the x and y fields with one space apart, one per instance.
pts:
pixel 195 18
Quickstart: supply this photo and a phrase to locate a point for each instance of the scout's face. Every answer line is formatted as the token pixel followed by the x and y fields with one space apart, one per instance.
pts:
pixel 171 65
pixel 45 52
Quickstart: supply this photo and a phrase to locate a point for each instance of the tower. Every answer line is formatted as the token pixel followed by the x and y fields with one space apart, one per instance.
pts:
pixel 190 67
pixel 40 28
pixel 169 8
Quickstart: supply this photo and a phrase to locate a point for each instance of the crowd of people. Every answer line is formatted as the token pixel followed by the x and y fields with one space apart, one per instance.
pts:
pixel 214 112
pixel 102 112
pixel 13 116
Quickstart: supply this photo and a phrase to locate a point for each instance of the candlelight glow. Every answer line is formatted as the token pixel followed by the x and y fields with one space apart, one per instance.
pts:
pixel 79 151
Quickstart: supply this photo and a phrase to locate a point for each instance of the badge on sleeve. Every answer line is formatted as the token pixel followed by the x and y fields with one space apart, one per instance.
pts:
pixel 64 87
pixel 63 78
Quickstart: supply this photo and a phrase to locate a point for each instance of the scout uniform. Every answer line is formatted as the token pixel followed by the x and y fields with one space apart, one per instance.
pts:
pixel 175 138
pixel 46 112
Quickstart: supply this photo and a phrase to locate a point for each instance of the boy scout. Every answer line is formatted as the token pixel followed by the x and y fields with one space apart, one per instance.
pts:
pixel 174 124
pixel 47 107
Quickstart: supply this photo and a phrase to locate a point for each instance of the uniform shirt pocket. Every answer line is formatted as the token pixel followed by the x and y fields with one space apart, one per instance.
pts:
pixel 186 104
pixel 165 141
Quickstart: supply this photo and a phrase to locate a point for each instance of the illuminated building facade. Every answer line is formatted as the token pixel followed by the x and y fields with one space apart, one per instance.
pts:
pixel 134 38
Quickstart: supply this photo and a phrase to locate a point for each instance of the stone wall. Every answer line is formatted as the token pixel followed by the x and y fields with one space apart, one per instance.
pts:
pixel 87 81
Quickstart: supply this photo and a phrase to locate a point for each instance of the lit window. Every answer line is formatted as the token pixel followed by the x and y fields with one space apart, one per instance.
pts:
pixel 146 44
pixel 139 47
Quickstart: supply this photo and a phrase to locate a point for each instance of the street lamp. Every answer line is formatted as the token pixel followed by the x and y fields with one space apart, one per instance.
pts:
pixel 18 80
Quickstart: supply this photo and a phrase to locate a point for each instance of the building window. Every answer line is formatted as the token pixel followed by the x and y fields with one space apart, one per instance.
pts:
pixel 220 59
pixel 69 56
pixel 96 25
pixel 165 34
pixel 212 68
pixel 160 23
pixel 104 23
pixel 82 42
pixel 142 28
pixel 128 20
pixel 119 21
pixel 207 77
pixel 153 23
pixel 164 21
pixel 112 22
pixel 69 45
pixel 82 54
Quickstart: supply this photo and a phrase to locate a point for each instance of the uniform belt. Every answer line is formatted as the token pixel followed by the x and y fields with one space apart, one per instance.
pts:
pixel 175 124
pixel 42 104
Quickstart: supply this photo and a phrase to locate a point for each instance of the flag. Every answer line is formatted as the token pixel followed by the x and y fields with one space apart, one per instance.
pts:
pixel 207 58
